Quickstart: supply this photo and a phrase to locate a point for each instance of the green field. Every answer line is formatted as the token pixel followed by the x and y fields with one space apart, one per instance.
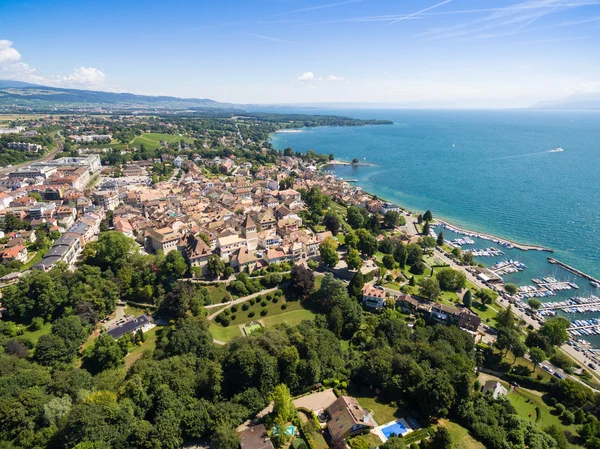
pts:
pixel 461 438
pixel 150 140
pixel 292 318
pixel 525 403
pixel 224 333
pixel 218 292
pixel 34 336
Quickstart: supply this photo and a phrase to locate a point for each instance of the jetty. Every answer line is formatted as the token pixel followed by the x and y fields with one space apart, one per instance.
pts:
pixel 577 304
pixel 500 241
pixel 573 270
pixel 358 164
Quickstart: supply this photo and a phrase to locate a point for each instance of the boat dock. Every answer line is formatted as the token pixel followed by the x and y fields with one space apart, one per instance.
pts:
pixel 507 267
pixel 551 283
pixel 499 241
pixel 574 305
pixel 573 270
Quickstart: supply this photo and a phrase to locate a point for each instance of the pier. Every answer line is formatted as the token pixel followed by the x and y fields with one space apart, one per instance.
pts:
pixel 573 270
pixel 573 303
pixel 503 242
pixel 358 164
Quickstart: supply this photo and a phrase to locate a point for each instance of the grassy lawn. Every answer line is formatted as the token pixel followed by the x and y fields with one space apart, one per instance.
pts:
pixel 273 309
pixel 292 318
pixel 483 311
pixel 461 438
pixel 225 333
pixel 525 403
pixel 150 343
pixel 392 286
pixel 341 238
pixel 383 412
pixel 34 336
pixel 150 140
pixel 218 292
pixel 133 311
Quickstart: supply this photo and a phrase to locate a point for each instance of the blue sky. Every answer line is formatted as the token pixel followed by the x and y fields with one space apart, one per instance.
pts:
pixel 491 53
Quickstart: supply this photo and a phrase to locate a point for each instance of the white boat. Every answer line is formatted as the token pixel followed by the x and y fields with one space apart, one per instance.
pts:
pixel 556 150
pixel 595 284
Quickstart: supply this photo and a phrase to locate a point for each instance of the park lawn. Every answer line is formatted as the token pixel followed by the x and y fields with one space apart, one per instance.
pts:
pixel 318 281
pixel 461 438
pixel 150 140
pixel 149 344
pixel 224 333
pixel 273 309
pixel 319 440
pixel 292 318
pixel 218 292
pixel 525 403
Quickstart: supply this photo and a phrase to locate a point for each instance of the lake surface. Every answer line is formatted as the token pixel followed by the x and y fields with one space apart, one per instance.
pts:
pixel 489 171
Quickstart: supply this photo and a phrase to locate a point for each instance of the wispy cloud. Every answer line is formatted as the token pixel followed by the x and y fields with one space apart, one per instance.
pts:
pixel 415 14
pixel 518 17
pixel 317 7
pixel 269 38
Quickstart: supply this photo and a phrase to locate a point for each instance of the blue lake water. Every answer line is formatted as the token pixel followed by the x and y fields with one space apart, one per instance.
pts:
pixel 489 171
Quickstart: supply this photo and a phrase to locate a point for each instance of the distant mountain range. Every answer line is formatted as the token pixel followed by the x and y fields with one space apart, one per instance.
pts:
pixel 590 100
pixel 20 94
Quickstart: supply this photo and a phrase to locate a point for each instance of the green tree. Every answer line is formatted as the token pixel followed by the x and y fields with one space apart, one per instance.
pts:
pixel 429 288
pixel 451 280
pixel 173 265
pixel 332 222
pixel 224 437
pixel 467 299
pixel 440 238
pixel 391 219
pixel 215 265
pixel 511 289
pixel 113 249
pixel 414 254
pixel 400 254
pixel 426 228
pixel 556 330
pixel 356 285
pixel 427 216
pixel 367 243
pixel 468 258
pixel 441 438
pixel 388 261
pixel 537 356
pixel 302 280
pixel 283 406
pixel 534 303
pixel 328 252
pixel 105 354
pixel 353 259
pixel 355 217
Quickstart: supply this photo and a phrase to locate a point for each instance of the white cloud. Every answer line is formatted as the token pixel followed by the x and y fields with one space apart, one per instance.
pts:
pixel 335 78
pixel 306 77
pixel 7 52
pixel 12 68
pixel 82 76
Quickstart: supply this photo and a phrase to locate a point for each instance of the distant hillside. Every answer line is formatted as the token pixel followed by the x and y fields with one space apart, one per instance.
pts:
pixel 20 94
pixel 574 101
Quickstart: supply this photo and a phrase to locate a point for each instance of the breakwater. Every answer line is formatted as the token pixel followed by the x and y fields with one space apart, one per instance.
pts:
pixel 573 270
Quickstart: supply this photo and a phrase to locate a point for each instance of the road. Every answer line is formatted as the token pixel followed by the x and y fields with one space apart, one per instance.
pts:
pixel 46 157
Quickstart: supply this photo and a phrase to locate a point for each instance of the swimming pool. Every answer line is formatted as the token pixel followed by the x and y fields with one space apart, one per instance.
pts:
pixel 395 428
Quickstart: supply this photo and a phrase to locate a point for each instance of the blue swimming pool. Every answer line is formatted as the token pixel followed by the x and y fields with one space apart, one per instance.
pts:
pixel 396 428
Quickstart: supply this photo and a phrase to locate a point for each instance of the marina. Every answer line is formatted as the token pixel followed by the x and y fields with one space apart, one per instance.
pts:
pixel 593 281
pixel 551 283
pixel 486 252
pixel 507 267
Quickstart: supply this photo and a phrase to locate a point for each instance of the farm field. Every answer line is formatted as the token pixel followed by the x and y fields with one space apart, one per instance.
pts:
pixel 149 140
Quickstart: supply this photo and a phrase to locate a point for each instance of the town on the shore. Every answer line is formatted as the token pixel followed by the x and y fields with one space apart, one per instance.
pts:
pixel 187 221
